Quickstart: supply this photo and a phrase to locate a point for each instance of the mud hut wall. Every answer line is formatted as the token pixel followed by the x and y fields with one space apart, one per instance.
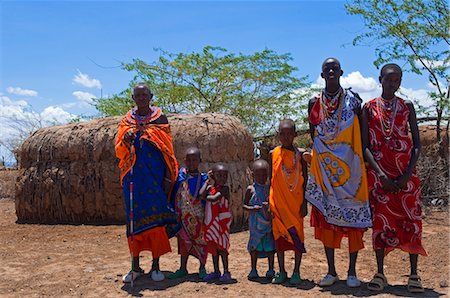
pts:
pixel 69 173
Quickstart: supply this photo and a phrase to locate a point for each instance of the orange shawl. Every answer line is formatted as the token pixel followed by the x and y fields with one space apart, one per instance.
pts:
pixel 157 134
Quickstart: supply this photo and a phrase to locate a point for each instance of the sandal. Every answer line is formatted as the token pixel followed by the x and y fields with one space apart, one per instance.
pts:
pixel 377 283
pixel 295 279
pixel 132 275
pixel 279 278
pixel 328 280
pixel 253 274
pixel 415 284
pixel 178 274
pixel 202 273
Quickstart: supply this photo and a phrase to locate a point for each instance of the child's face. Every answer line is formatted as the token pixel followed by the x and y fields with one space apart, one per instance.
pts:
pixel 141 96
pixel 260 175
pixel 220 177
pixel 192 161
pixel 286 135
pixel 390 81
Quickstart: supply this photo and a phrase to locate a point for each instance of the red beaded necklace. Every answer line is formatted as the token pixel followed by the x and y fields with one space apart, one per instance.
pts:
pixel 387 110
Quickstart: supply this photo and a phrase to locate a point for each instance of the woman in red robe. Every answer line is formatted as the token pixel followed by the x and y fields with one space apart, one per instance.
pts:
pixel 394 187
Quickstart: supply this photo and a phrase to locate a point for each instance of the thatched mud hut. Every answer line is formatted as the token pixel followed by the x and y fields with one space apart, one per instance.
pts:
pixel 69 174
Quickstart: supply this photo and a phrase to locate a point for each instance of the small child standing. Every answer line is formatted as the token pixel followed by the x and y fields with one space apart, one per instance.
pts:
pixel 217 221
pixel 261 243
pixel 287 204
pixel 190 211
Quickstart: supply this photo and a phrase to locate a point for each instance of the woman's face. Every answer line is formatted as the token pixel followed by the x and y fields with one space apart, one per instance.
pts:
pixel 142 96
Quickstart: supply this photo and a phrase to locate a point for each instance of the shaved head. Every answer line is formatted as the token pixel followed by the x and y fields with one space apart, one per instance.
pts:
pixel 331 60
pixel 285 123
pixel 193 151
pixel 390 68
pixel 143 86
pixel 260 164
pixel 219 167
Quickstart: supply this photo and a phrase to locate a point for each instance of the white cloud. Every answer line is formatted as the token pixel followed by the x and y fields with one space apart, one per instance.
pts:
pixel 55 115
pixel 419 95
pixel 84 80
pixel 84 96
pixel 17 118
pixel 358 82
pixel 20 91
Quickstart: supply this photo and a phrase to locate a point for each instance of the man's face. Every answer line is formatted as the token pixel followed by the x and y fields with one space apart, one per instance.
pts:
pixel 331 70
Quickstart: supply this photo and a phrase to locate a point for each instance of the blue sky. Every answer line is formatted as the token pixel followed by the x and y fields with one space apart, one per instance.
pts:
pixel 54 55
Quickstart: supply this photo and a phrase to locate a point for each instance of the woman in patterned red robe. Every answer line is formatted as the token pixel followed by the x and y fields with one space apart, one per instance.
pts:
pixel 394 187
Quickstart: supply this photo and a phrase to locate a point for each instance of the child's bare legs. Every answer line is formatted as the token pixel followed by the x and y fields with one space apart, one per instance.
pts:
pixel 254 258
pixel 216 274
pixel 298 260
pixel 216 263
pixel 183 264
pixel 271 260
pixel 224 255
pixel 280 257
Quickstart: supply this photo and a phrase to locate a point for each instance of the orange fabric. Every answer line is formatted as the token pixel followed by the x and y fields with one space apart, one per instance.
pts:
pixel 154 240
pixel 333 239
pixel 331 235
pixel 157 134
pixel 284 203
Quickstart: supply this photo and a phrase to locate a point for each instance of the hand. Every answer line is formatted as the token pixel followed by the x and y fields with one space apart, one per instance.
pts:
pixel 307 156
pixel 257 207
pixel 129 137
pixel 388 185
pixel 210 180
pixel 402 181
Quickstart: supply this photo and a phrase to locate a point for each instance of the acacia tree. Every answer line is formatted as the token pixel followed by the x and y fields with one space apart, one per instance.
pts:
pixel 412 31
pixel 256 88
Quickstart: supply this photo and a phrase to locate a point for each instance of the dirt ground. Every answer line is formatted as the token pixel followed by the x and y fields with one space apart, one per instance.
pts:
pixel 88 261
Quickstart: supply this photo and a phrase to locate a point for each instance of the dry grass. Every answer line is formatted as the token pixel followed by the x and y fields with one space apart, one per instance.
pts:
pixel 433 171
pixel 7 183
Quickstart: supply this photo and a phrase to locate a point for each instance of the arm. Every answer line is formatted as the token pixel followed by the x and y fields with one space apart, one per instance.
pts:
pixel 312 128
pixel 304 206
pixel 387 184
pixel 248 195
pixel 204 190
pixel 403 179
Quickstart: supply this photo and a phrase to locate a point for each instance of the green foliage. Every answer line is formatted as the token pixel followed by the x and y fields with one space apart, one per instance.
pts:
pixel 413 31
pixel 256 88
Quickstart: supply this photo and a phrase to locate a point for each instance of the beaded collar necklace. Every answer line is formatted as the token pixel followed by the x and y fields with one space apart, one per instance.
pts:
pixel 387 110
pixel 287 172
